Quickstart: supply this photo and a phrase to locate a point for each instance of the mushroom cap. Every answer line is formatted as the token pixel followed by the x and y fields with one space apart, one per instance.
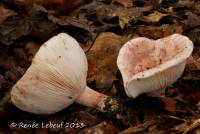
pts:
pixel 56 77
pixel 148 65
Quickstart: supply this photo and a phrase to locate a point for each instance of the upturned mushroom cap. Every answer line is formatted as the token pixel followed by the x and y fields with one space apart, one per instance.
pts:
pixel 56 77
pixel 148 65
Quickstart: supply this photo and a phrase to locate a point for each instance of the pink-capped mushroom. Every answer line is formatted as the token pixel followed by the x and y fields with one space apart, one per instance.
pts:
pixel 56 79
pixel 150 65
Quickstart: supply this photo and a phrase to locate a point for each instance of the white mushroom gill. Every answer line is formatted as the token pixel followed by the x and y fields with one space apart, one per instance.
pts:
pixel 56 79
pixel 148 65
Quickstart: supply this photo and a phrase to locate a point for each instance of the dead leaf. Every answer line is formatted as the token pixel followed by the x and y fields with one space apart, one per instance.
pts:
pixel 194 34
pixel 139 128
pixel 26 2
pixel 185 3
pixel 156 32
pixel 195 124
pixel 31 49
pixel 193 63
pixel 155 16
pixel 84 118
pixel 153 129
pixel 194 97
pixel 102 128
pixel 70 21
pixel 2 80
pixel 113 90
pixel 129 15
pixel 4 131
pixel 21 57
pixel 191 21
pixel 59 5
pixel 41 131
pixel 198 106
pixel 171 92
pixel 5 13
pixel 5 100
pixel 180 128
pixel 22 131
pixel 139 3
pixel 192 75
pixel 197 6
pixel 102 59
pixel 168 3
pixel 170 104
pixel 11 76
pixel 18 27
pixel 105 12
pixel 125 3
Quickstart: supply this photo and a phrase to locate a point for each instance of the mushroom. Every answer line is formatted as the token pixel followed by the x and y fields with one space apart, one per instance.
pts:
pixel 56 79
pixel 151 65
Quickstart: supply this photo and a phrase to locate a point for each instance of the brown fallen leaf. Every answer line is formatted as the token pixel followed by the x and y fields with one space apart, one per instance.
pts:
pixel 11 76
pixel 139 128
pixel 59 5
pixel 84 119
pixel 7 62
pixel 193 63
pixel 2 80
pixel 180 128
pixel 125 3
pixel 41 131
pixel 195 124
pixel 3 113
pixel 102 59
pixel 170 104
pixel 156 32
pixel 70 21
pixel 5 13
pixel 194 34
pixel 185 3
pixel 38 1
pixel 101 128
pixel 153 129
pixel 22 131
pixel 194 97
pixel 197 6
pixel 105 12
pixel 128 15
pixel 31 49
pixel 113 90
pixel 168 3
pixel 155 16
pixel 4 131
pixel 191 21
pixel 4 101
pixel 192 75
pixel 198 106
pixel 18 27
pixel 21 57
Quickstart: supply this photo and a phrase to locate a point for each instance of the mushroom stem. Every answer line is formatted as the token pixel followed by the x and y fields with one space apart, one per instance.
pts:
pixel 94 99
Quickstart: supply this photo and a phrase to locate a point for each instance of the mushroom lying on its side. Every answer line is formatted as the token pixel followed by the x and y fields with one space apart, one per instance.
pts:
pixel 149 65
pixel 57 78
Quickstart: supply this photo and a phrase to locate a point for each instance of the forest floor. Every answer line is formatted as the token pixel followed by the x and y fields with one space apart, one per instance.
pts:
pixel 101 27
